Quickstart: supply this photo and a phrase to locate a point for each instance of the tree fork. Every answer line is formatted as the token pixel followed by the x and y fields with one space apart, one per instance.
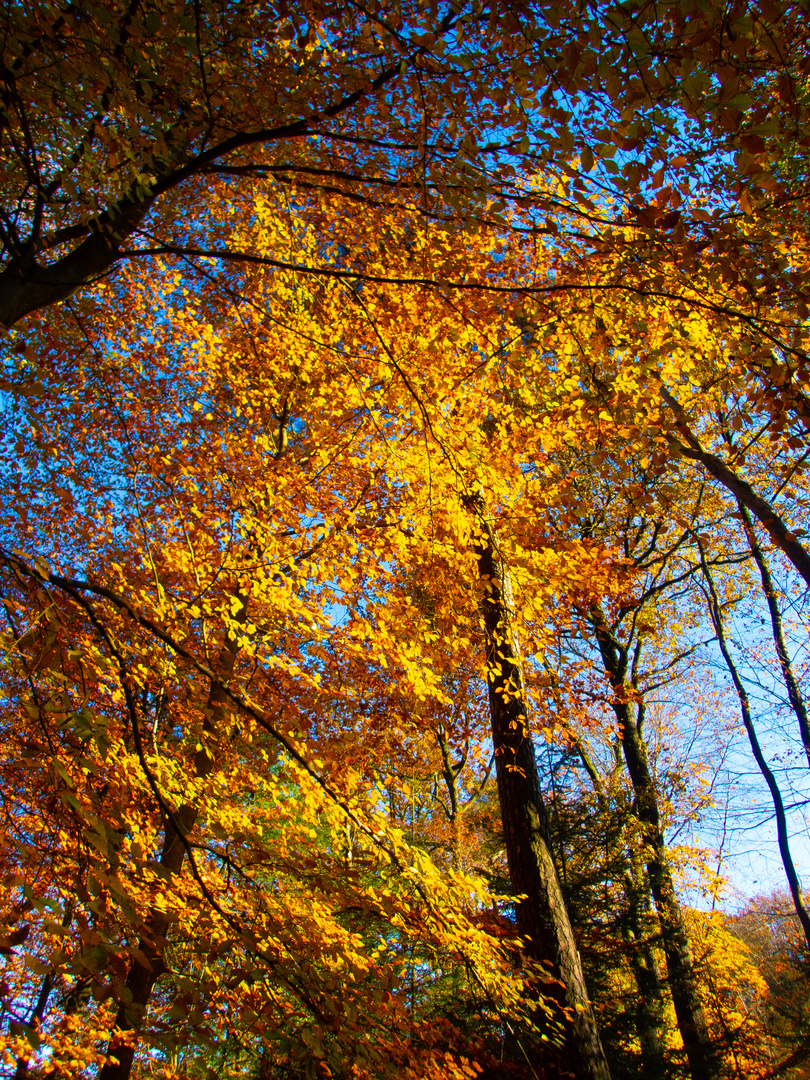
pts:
pixel 26 285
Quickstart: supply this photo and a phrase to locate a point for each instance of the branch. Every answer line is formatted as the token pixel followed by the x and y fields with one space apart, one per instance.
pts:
pixel 778 531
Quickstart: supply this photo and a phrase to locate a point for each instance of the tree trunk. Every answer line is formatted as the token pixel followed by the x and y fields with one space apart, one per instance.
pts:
pixel 649 1004
pixel 783 838
pixel 542 918
pixel 703 1064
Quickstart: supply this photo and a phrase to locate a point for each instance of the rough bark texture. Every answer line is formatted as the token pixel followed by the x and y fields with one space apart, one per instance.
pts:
pixel 153 939
pixel 703 1063
pixel 542 918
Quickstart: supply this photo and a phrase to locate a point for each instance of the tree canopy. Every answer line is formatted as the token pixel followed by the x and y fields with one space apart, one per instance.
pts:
pixel 404 464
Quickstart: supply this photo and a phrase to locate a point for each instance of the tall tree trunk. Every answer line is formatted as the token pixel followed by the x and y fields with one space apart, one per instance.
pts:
pixel 542 917
pixel 142 977
pixel 703 1064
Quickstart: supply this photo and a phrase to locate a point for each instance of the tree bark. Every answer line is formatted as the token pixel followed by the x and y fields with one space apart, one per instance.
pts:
pixel 703 1064
pixel 649 1005
pixel 650 1001
pixel 542 917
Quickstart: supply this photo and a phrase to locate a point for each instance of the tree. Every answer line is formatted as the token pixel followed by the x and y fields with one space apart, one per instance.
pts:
pixel 180 689
pixel 109 152
pixel 756 749
pixel 602 858
pixel 367 262
pixel 682 981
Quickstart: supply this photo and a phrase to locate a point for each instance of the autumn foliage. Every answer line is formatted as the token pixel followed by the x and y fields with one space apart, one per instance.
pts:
pixel 400 407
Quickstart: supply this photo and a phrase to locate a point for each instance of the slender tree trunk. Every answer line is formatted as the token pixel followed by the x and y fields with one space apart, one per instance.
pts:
pixel 21 1072
pixel 142 977
pixel 647 975
pixel 450 774
pixel 703 1064
pixel 542 918
pixel 795 697
pixel 783 838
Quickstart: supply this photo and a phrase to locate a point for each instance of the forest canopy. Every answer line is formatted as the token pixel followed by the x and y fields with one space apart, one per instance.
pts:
pixel 403 571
